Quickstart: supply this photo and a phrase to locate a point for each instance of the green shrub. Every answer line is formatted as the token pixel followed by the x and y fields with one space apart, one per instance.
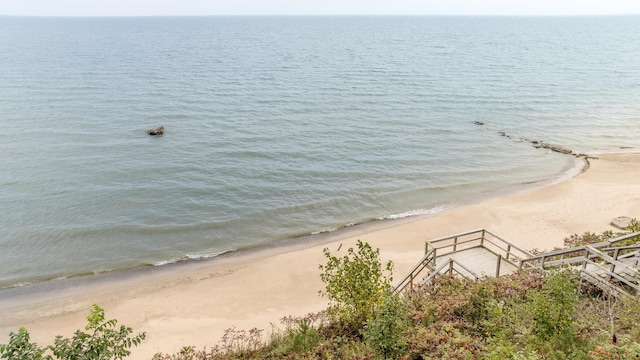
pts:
pixel 20 347
pixel 555 329
pixel 554 306
pixel 103 342
pixel 299 336
pixel 385 331
pixel 355 283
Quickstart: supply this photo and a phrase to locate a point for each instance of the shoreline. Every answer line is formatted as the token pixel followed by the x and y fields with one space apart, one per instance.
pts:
pixel 193 302
pixel 574 167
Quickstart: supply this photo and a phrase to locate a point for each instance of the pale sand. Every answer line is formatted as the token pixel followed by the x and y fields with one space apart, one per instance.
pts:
pixel 193 304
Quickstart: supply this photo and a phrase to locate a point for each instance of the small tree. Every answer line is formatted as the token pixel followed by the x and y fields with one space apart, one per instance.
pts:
pixel 20 347
pixel 385 332
pixel 554 306
pixel 554 314
pixel 103 342
pixel 355 283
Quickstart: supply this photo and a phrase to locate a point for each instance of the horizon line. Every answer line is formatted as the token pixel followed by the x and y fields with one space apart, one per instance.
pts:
pixel 324 15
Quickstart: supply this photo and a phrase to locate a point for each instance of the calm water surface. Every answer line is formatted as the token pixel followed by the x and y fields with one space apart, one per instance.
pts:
pixel 277 127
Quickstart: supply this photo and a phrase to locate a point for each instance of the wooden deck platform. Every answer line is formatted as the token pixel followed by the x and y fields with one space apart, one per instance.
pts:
pixel 480 253
pixel 481 261
pixel 473 254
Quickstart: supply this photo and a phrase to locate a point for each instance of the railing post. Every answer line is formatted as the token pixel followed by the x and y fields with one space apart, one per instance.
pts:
pixel 434 257
pixel 450 267
pixel 508 251
pixel 482 239
pixel 498 266
pixel 411 283
pixel 612 267
pixel 455 243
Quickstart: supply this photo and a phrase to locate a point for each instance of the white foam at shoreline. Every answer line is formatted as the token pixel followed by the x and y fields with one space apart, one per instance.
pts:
pixel 411 213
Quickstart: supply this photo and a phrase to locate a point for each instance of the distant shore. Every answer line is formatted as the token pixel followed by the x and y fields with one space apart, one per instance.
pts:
pixel 192 304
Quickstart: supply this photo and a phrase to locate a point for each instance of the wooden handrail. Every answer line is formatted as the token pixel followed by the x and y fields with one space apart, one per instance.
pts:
pixel 450 265
pixel 601 255
pixel 417 269
pixel 587 253
pixel 482 237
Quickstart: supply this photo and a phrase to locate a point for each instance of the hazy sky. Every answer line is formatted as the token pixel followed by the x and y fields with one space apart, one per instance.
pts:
pixel 316 7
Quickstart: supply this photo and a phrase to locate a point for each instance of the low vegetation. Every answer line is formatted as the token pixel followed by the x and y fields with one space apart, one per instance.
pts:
pixel 102 341
pixel 527 315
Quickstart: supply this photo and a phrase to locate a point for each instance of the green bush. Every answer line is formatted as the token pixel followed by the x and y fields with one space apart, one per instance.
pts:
pixel 385 332
pixel 104 341
pixel 20 347
pixel 555 328
pixel 299 336
pixel 355 283
pixel 554 307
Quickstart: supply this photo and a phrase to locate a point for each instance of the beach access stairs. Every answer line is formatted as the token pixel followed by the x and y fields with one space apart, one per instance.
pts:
pixel 611 265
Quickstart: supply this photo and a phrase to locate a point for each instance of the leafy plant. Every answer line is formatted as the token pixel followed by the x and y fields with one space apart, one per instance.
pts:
pixel 624 350
pixel 385 331
pixel 20 347
pixel 300 337
pixel 355 283
pixel 554 306
pixel 104 341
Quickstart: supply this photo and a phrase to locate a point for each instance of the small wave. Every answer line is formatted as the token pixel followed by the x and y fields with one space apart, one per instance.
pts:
pixel 189 257
pixel 324 231
pixel 20 284
pixel 169 261
pixel 411 213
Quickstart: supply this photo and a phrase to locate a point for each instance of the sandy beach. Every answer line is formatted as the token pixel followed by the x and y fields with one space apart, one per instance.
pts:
pixel 193 303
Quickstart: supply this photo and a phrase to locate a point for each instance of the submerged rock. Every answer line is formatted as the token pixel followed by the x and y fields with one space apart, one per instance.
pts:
pixel 156 130
pixel 557 148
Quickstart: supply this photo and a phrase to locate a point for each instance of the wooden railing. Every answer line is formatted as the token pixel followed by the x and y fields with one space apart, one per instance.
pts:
pixel 573 255
pixel 504 251
pixel 428 261
pixel 610 267
pixel 479 238
pixel 452 267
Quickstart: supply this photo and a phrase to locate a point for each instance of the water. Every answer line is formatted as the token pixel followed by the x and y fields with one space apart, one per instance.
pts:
pixel 277 127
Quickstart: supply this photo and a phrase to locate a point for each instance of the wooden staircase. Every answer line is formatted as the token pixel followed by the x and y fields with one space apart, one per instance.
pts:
pixel 481 253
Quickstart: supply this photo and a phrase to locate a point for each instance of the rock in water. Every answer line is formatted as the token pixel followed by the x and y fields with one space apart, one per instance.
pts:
pixel 557 148
pixel 156 130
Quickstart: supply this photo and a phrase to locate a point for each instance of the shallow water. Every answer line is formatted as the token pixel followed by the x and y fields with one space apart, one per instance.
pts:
pixel 278 127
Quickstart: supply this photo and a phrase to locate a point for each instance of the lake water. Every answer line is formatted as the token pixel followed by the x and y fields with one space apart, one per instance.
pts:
pixel 278 127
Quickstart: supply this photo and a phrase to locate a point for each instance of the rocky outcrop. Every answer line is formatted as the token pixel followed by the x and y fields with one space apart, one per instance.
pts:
pixel 557 148
pixel 156 131
pixel 541 144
